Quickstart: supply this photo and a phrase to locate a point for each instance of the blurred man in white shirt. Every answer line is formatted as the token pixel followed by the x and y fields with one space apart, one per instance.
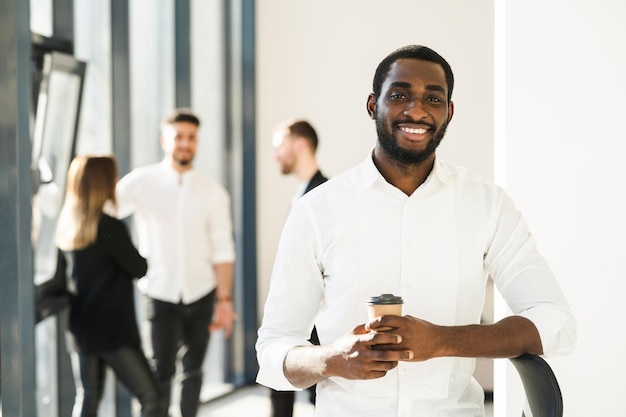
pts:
pixel 184 226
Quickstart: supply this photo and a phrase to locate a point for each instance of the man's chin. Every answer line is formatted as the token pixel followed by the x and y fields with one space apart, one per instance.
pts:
pixel 184 162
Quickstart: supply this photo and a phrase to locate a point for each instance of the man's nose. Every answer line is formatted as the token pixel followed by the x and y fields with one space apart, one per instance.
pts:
pixel 415 109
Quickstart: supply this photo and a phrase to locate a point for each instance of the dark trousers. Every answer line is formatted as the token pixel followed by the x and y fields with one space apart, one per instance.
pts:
pixel 174 327
pixel 283 401
pixel 130 367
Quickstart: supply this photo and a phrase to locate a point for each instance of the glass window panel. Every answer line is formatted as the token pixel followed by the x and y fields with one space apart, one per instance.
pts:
pixel 41 17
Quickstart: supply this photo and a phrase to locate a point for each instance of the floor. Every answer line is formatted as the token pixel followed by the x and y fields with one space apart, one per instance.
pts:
pixel 254 397
pixel 244 400
pixel 247 401
pixel 254 400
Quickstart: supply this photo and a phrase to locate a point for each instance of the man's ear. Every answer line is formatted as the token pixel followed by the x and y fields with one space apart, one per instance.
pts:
pixel 371 106
pixel 299 143
pixel 450 111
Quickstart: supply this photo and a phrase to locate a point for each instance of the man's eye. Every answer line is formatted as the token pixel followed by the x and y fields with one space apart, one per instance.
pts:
pixel 397 96
pixel 434 99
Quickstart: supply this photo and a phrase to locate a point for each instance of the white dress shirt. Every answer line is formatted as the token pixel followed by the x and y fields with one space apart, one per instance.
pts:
pixel 184 227
pixel 356 236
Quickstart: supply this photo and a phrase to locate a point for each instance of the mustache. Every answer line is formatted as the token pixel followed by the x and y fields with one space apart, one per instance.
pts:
pixel 397 123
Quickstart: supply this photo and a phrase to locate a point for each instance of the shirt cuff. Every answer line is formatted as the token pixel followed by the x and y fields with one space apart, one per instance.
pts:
pixel 271 361
pixel 556 327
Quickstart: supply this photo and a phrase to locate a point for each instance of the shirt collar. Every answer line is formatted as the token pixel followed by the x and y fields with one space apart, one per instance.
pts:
pixel 167 167
pixel 371 174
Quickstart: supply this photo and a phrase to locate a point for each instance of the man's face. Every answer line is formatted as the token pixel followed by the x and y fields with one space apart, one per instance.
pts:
pixel 412 112
pixel 179 141
pixel 284 151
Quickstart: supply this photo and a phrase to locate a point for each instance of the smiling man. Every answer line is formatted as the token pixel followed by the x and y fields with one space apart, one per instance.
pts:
pixel 405 222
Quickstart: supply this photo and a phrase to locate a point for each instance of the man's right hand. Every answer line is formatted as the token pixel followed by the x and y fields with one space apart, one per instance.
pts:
pixel 351 357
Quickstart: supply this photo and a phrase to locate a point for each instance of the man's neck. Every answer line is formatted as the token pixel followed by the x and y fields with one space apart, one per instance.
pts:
pixel 180 168
pixel 407 178
pixel 305 171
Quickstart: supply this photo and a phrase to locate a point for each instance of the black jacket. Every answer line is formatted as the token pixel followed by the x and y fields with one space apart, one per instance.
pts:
pixel 102 306
pixel 317 179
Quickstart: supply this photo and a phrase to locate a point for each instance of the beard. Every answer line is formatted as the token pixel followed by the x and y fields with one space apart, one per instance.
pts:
pixel 184 159
pixel 407 156
pixel 285 170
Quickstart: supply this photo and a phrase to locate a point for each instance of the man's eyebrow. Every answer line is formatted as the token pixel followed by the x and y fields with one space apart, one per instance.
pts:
pixel 401 84
pixel 436 87
pixel 429 87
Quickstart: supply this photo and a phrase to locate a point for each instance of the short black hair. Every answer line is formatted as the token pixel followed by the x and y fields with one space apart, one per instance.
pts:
pixel 412 52
pixel 182 115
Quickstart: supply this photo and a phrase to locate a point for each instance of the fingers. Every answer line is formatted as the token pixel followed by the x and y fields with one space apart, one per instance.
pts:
pixel 385 323
pixel 224 318
pixel 356 355
pixel 376 363
pixel 228 330
pixel 391 343
pixel 360 329
pixel 384 353
pixel 385 347
pixel 367 364
pixel 225 325
pixel 383 338
pixel 379 370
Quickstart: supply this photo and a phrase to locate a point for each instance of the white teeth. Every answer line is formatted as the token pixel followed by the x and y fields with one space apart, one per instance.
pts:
pixel 413 131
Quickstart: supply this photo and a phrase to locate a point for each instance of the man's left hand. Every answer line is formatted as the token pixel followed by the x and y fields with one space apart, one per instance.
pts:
pixel 223 317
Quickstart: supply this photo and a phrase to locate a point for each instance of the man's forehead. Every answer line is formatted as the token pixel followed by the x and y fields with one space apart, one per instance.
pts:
pixel 172 129
pixel 407 69
pixel 279 137
pixel 168 130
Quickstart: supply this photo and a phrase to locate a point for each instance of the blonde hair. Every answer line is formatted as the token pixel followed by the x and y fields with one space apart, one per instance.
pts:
pixel 90 183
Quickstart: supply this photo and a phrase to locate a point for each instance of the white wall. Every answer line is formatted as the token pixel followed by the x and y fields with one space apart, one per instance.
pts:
pixel 565 168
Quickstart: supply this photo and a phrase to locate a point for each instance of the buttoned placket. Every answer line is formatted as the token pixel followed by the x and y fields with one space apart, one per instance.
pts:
pixel 408 275
pixel 180 233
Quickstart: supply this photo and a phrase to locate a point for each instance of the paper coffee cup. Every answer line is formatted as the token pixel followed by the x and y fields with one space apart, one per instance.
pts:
pixel 384 305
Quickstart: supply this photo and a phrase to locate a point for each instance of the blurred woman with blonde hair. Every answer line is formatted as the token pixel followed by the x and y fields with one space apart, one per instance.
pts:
pixel 102 264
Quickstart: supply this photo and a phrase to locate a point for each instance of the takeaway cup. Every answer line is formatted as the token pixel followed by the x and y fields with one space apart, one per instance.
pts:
pixel 384 305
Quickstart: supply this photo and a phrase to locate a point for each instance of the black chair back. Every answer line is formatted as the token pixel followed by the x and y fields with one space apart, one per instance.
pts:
pixel 541 386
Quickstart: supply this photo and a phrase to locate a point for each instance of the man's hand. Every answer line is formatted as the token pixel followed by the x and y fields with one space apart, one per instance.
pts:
pixel 352 356
pixel 418 336
pixel 507 338
pixel 223 318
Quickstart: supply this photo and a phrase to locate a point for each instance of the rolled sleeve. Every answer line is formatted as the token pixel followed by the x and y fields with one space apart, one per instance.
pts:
pixel 271 354
pixel 556 328
pixel 528 284
pixel 295 294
